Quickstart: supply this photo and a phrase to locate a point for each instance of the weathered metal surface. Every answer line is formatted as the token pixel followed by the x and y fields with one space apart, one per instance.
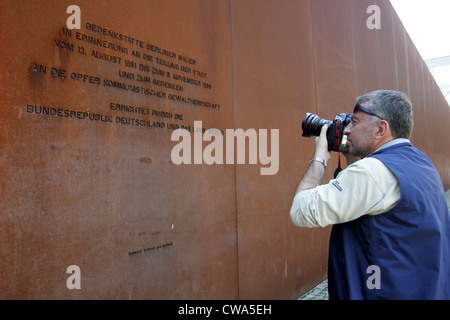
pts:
pixel 86 167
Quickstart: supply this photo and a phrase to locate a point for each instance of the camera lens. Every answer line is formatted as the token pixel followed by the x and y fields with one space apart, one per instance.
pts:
pixel 312 125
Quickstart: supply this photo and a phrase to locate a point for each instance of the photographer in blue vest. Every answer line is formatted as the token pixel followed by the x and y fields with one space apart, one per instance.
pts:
pixel 390 236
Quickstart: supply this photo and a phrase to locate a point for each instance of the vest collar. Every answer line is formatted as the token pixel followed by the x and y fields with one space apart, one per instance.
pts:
pixel 392 143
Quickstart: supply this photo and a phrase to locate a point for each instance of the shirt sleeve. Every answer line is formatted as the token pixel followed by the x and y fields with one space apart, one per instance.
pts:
pixel 366 187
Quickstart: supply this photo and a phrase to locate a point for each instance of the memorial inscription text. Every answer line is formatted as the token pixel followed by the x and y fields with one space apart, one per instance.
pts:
pixel 143 68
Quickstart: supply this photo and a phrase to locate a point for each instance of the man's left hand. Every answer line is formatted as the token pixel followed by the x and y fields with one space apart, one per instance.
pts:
pixel 322 145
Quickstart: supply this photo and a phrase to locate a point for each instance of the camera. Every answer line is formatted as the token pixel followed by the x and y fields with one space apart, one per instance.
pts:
pixel 335 134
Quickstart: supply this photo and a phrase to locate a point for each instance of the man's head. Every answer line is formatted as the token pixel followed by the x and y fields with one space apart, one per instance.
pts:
pixel 379 117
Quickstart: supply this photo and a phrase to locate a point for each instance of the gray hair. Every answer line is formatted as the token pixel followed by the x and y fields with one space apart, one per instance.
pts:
pixel 392 106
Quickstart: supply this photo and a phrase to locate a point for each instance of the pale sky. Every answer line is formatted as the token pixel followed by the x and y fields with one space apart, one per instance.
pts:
pixel 428 25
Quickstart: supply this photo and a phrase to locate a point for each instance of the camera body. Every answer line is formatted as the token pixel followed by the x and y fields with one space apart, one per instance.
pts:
pixel 337 142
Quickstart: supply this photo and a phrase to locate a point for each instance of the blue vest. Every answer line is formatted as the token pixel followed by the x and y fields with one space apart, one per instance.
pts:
pixel 405 251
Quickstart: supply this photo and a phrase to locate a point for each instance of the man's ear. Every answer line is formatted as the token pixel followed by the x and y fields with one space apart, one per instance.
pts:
pixel 383 129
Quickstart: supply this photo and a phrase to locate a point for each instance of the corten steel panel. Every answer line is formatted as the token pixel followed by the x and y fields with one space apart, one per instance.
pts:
pixel 334 62
pixel 417 97
pixel 105 195
pixel 374 48
pixel 334 56
pixel 273 85
pixel 401 55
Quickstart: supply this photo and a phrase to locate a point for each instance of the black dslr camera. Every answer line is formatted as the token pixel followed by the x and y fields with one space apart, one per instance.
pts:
pixel 335 134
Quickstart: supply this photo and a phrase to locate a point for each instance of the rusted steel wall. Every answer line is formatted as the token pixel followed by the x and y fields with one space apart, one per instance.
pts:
pixel 87 116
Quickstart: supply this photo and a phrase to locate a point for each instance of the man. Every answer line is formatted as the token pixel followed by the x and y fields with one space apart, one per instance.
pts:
pixel 390 236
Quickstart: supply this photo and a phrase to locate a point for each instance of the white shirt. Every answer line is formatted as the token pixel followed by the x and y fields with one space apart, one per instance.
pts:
pixel 366 187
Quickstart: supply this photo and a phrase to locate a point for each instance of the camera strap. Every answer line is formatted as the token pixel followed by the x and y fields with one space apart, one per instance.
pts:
pixel 338 169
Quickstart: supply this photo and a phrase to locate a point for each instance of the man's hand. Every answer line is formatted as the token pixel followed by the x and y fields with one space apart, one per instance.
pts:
pixel 314 174
pixel 322 145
